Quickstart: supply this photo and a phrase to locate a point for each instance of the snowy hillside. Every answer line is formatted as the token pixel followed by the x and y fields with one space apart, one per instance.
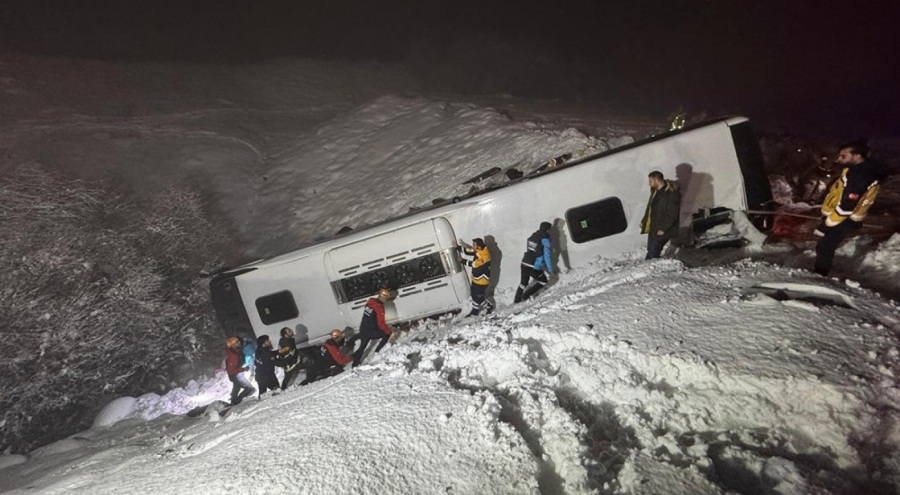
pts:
pixel 626 377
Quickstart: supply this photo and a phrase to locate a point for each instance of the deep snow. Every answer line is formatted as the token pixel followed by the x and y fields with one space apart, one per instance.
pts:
pixel 625 376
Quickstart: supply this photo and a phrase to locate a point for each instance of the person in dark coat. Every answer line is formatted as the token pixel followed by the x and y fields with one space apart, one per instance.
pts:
pixel 265 365
pixel 660 221
pixel 847 202
pixel 373 325
pixel 240 385
pixel 481 274
pixel 332 359
pixel 288 357
pixel 535 260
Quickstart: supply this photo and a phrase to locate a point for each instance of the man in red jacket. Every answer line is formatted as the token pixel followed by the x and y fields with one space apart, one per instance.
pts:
pixel 332 360
pixel 240 385
pixel 373 325
pixel 333 355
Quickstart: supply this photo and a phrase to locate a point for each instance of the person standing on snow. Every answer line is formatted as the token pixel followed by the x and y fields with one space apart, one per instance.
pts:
pixel 265 365
pixel 535 260
pixel 289 357
pixel 240 385
pixel 847 202
pixel 373 325
pixel 481 274
pixel 660 221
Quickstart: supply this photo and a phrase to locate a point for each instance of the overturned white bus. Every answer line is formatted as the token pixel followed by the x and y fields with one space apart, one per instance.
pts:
pixel 595 204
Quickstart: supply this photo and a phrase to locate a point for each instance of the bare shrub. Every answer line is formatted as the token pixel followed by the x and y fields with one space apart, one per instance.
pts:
pixel 98 298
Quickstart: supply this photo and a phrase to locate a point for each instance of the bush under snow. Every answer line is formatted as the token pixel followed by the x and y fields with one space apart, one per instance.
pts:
pixel 98 297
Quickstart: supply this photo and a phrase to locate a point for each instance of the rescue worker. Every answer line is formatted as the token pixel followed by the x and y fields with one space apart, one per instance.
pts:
pixel 535 260
pixel 265 365
pixel 481 274
pixel 240 385
pixel 332 359
pixel 660 221
pixel 373 326
pixel 288 357
pixel 847 202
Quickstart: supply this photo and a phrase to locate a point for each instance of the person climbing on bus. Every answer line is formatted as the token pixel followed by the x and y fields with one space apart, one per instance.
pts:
pixel 481 274
pixel 240 385
pixel 373 325
pixel 534 262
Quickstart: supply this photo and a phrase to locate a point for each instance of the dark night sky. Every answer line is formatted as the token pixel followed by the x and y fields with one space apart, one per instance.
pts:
pixel 820 67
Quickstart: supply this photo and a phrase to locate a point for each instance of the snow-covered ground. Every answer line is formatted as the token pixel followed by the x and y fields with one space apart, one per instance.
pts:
pixel 624 377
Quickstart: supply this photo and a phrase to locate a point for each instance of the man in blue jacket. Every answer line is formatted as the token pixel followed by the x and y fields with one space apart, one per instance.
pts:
pixel 535 260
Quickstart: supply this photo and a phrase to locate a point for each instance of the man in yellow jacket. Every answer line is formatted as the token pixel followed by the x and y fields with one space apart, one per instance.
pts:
pixel 847 202
pixel 481 274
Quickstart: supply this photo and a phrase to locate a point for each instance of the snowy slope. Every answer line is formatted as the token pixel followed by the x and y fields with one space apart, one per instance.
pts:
pixel 625 377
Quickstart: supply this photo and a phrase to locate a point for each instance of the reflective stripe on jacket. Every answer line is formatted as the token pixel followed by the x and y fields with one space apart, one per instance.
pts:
pixel 852 194
pixel 481 264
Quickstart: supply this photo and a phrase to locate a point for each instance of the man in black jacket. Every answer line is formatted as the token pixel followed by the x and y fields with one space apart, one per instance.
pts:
pixel 847 202
pixel 289 357
pixel 660 221
pixel 535 261
pixel 265 365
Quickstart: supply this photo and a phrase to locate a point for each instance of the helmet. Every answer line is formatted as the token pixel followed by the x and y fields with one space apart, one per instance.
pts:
pixel 337 333
pixel 385 293
pixel 233 341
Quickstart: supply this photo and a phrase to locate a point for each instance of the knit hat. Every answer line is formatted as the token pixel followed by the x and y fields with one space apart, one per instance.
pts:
pixel 545 226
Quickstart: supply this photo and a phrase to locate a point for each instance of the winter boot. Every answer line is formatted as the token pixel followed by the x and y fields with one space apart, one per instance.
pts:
pixel 246 393
pixel 531 291
pixel 518 298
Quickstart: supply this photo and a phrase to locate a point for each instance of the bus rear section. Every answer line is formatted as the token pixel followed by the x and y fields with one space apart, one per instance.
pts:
pixel 419 261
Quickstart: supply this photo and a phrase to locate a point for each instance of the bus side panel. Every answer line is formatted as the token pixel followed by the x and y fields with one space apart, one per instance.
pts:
pixel 703 161
pixel 306 281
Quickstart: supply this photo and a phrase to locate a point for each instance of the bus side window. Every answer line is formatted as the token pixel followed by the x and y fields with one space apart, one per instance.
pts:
pixel 276 307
